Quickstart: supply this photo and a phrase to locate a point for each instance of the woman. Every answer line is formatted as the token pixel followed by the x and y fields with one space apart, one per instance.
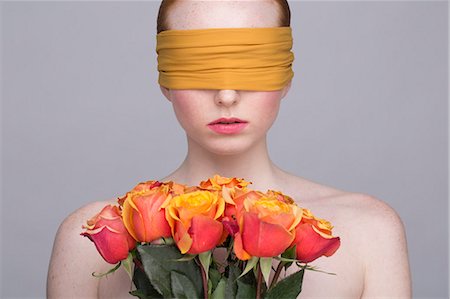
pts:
pixel 372 260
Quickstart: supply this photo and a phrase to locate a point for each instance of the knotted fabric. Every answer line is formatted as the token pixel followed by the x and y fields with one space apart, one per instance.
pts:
pixel 225 58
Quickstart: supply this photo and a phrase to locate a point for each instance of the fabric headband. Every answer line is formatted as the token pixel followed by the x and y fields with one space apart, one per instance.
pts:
pixel 225 58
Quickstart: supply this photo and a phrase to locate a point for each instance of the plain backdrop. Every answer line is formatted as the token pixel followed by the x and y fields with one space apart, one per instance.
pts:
pixel 83 118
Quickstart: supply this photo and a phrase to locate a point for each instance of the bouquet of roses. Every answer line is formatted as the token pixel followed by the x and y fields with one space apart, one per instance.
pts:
pixel 219 239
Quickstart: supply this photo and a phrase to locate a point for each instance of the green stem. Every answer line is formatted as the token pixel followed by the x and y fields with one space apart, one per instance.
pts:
pixel 259 282
pixel 204 280
pixel 277 274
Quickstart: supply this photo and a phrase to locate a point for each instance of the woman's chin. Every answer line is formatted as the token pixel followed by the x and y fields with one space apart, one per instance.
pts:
pixel 228 148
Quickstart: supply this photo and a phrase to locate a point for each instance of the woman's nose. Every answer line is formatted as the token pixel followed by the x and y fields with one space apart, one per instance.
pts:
pixel 226 97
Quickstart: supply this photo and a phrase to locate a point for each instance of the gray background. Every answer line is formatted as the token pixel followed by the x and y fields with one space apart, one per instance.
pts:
pixel 83 118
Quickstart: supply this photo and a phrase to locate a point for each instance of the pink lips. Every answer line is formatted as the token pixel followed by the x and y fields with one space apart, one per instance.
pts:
pixel 228 125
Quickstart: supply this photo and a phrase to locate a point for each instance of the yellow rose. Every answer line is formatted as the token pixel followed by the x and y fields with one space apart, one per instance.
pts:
pixel 194 219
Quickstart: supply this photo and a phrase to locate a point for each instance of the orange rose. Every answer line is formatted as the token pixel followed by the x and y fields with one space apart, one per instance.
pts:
pixel 177 189
pixel 193 219
pixel 217 182
pixel 109 235
pixel 280 196
pixel 228 188
pixel 142 213
pixel 314 239
pixel 266 225
pixel 234 203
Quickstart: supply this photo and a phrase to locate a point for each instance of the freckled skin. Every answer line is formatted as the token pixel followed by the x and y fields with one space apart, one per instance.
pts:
pixel 196 108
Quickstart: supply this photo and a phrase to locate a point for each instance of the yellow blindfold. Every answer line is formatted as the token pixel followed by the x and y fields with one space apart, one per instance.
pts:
pixel 225 58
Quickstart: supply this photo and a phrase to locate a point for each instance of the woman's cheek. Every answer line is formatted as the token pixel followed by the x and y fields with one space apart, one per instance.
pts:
pixel 266 108
pixel 186 110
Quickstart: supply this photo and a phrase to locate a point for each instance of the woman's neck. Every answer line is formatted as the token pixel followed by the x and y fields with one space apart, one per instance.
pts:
pixel 253 165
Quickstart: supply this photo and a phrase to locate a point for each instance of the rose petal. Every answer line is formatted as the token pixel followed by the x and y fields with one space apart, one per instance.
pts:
pixel 205 233
pixel 264 239
pixel 311 245
pixel 112 247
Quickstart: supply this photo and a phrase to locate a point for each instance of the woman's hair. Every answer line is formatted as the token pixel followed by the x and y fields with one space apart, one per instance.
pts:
pixel 284 14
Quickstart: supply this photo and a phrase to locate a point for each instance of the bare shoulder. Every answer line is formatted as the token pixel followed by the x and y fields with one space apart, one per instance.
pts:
pixel 367 210
pixel 373 227
pixel 71 227
pixel 74 257
pixel 383 246
pixel 371 217
pixel 372 261
pixel 79 216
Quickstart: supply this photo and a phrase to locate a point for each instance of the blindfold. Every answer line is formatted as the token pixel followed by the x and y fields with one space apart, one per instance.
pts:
pixel 225 58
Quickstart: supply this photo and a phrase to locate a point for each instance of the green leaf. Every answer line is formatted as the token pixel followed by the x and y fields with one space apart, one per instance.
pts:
pixel 249 278
pixel 139 294
pixel 266 265
pixel 289 287
pixel 185 258
pixel 144 289
pixel 250 265
pixel 245 290
pixel 214 277
pixel 160 260
pixel 100 275
pixel 238 285
pixel 182 287
pixel 205 261
pixel 128 264
pixel 231 283
pixel 219 292
pixel 289 254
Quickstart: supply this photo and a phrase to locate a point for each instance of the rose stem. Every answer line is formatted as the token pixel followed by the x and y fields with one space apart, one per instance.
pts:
pixel 277 274
pixel 259 282
pixel 138 263
pixel 205 282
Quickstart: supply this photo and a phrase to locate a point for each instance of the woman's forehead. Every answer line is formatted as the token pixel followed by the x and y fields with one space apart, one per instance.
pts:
pixel 191 14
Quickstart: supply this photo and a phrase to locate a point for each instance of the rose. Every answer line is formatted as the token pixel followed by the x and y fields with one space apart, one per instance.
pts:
pixel 234 203
pixel 142 213
pixel 313 238
pixel 280 196
pixel 266 225
pixel 228 188
pixel 218 182
pixel 109 234
pixel 193 219
pixel 177 189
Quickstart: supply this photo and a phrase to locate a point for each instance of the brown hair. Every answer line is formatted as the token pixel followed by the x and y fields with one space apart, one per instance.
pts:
pixel 284 14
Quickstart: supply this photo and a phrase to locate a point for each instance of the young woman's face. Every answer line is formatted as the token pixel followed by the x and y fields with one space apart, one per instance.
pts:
pixel 196 110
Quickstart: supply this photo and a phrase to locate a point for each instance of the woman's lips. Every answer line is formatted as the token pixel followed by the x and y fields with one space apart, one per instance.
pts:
pixel 228 128
pixel 228 125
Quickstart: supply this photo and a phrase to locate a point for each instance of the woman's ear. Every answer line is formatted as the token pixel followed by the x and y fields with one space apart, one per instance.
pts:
pixel 165 92
pixel 286 89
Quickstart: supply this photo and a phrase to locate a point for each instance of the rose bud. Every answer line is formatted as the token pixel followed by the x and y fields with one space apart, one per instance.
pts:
pixel 194 219
pixel 313 238
pixel 109 235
